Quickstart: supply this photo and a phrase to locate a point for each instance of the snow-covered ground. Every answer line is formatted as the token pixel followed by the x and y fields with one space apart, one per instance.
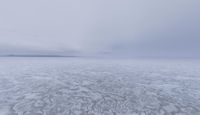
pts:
pixel 74 86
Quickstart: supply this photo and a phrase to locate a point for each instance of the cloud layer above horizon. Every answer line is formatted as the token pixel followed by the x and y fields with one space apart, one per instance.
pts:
pixel 169 28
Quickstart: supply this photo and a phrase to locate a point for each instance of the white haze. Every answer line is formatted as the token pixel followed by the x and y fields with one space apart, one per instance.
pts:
pixel 168 28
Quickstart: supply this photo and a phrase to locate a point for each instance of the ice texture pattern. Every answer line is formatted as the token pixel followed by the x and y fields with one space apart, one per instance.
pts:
pixel 76 86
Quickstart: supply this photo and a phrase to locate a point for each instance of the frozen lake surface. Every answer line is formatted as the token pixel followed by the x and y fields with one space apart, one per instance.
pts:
pixel 74 86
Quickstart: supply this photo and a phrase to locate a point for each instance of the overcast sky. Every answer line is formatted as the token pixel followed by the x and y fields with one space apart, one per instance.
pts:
pixel 163 28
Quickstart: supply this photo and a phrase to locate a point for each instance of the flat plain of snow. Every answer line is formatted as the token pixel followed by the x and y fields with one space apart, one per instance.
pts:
pixel 75 86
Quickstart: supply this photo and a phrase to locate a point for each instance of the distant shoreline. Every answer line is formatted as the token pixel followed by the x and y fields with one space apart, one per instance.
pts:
pixel 36 56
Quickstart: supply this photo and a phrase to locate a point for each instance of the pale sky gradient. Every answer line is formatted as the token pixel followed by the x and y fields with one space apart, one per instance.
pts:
pixel 160 28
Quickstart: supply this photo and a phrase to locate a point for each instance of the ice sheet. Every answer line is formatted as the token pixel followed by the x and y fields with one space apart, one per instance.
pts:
pixel 75 86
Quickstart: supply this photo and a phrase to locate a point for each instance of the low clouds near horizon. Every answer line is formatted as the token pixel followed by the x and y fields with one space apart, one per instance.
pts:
pixel 168 28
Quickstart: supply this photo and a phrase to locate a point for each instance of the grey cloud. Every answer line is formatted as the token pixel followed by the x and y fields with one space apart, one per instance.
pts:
pixel 132 28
